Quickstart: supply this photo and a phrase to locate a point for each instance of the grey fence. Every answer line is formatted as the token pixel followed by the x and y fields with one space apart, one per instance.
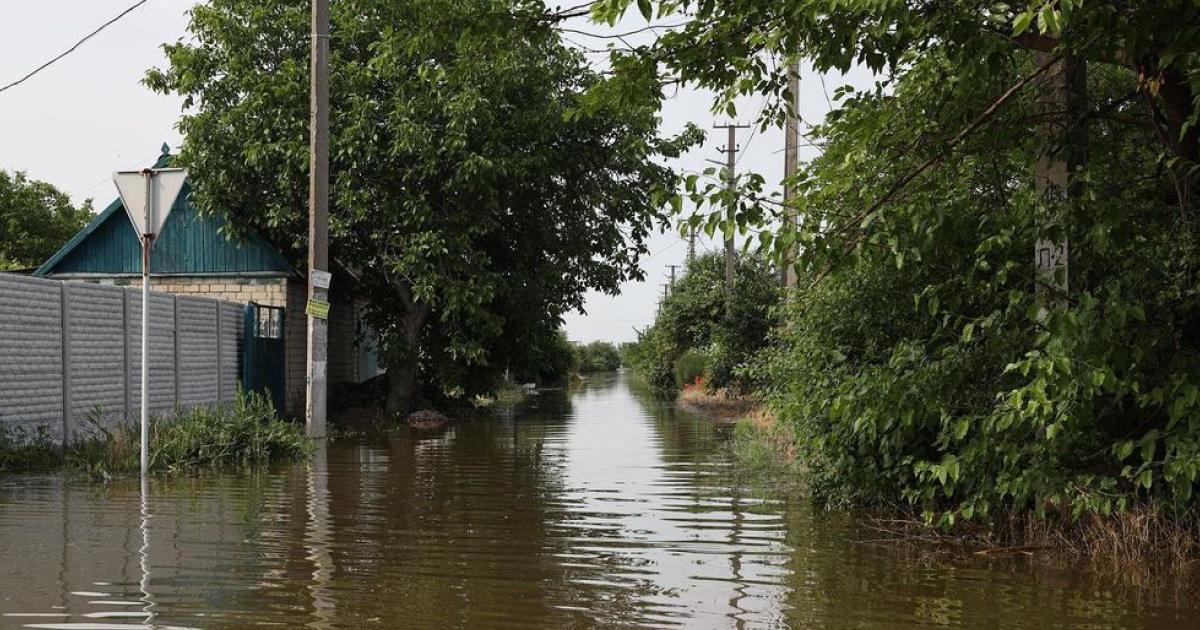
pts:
pixel 70 353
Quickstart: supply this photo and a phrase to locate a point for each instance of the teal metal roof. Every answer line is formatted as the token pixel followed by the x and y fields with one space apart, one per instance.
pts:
pixel 190 244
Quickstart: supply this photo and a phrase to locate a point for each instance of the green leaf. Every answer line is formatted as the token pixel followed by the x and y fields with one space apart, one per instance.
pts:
pixel 646 9
pixel 1021 22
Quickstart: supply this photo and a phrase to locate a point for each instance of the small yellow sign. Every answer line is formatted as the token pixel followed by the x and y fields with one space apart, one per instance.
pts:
pixel 318 309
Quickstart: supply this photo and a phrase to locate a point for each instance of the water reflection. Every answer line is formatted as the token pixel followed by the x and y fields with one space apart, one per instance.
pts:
pixel 599 509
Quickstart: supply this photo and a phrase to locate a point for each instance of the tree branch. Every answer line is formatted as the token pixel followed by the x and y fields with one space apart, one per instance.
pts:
pixel 904 181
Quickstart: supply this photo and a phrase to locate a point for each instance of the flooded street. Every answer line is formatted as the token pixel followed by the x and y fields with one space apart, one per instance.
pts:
pixel 601 509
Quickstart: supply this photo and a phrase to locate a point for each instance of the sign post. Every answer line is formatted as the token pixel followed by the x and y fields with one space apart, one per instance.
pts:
pixel 148 195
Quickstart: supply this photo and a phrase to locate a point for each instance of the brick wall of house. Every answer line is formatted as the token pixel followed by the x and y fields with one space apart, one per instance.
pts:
pixel 268 291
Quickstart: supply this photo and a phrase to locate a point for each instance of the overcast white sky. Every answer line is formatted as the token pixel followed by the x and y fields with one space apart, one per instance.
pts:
pixel 89 115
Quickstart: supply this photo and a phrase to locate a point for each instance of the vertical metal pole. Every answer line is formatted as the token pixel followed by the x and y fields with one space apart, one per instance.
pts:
pixel 318 218
pixel 147 239
pixel 791 163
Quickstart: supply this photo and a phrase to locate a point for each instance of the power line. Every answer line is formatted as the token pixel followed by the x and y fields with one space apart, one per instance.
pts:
pixel 72 48
pixel 665 249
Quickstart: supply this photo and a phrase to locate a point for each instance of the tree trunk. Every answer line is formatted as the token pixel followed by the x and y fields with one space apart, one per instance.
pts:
pixel 402 370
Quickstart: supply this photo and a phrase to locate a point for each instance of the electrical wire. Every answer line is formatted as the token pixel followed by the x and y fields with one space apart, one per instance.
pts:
pixel 72 48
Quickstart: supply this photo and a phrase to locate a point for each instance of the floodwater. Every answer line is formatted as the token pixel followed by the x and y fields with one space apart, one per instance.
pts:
pixel 598 509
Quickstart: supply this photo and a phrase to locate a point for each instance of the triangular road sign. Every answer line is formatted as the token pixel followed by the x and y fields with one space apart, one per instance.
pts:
pixel 164 187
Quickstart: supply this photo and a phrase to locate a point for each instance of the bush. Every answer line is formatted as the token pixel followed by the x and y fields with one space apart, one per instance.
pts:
pixel 245 432
pixel 22 450
pixel 650 359
pixel 924 369
pixel 597 356
pixel 689 367
pixel 693 321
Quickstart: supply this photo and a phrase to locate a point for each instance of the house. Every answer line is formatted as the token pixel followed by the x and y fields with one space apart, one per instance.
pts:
pixel 192 256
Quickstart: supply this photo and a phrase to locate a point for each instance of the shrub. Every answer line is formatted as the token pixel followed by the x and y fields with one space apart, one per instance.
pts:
pixel 245 432
pixel 690 367
pixel 22 450
pixel 693 321
pixel 597 356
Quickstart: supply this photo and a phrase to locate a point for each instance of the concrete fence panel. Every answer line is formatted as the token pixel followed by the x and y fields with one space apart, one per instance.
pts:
pixel 231 343
pixel 70 353
pixel 197 329
pixel 95 333
pixel 31 354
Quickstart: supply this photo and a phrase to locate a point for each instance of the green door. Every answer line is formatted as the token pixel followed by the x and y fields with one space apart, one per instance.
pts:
pixel 264 357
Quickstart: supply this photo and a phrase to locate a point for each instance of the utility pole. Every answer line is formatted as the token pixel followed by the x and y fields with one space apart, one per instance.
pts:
pixel 673 268
pixel 730 152
pixel 318 225
pixel 691 255
pixel 791 164
pixel 1062 98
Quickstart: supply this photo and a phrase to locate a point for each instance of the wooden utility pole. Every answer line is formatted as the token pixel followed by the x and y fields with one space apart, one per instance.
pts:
pixel 791 164
pixel 730 152
pixel 318 225
pixel 1061 103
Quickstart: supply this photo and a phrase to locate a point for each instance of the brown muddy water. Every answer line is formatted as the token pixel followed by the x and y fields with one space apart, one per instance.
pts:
pixel 598 509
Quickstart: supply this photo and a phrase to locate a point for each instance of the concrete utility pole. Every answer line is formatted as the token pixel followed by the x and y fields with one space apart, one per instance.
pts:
pixel 673 268
pixel 1062 99
pixel 730 152
pixel 691 255
pixel 318 225
pixel 791 163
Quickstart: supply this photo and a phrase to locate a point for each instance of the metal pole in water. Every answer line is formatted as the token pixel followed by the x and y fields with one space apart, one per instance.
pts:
pixel 146 240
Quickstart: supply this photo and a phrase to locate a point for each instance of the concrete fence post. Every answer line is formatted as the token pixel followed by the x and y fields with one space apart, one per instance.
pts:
pixel 126 362
pixel 175 332
pixel 220 374
pixel 65 328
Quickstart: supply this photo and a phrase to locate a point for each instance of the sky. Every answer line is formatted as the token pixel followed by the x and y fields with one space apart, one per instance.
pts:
pixel 88 115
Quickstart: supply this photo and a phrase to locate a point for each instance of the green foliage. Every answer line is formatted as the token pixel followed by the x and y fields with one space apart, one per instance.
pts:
pixel 597 356
pixel 246 432
pixel 919 368
pixel 691 366
pixel 693 318
pixel 36 219
pixel 22 450
pixel 916 363
pixel 469 191
pixel 243 433
pixel 551 360
pixel 651 359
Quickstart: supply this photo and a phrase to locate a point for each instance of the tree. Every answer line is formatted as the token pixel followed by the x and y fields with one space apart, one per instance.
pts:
pixel 36 219
pixel 693 319
pixel 474 200
pixel 597 356
pixel 916 362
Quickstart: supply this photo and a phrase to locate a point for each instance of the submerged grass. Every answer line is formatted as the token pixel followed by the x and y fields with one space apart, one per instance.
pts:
pixel 764 454
pixel 245 432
